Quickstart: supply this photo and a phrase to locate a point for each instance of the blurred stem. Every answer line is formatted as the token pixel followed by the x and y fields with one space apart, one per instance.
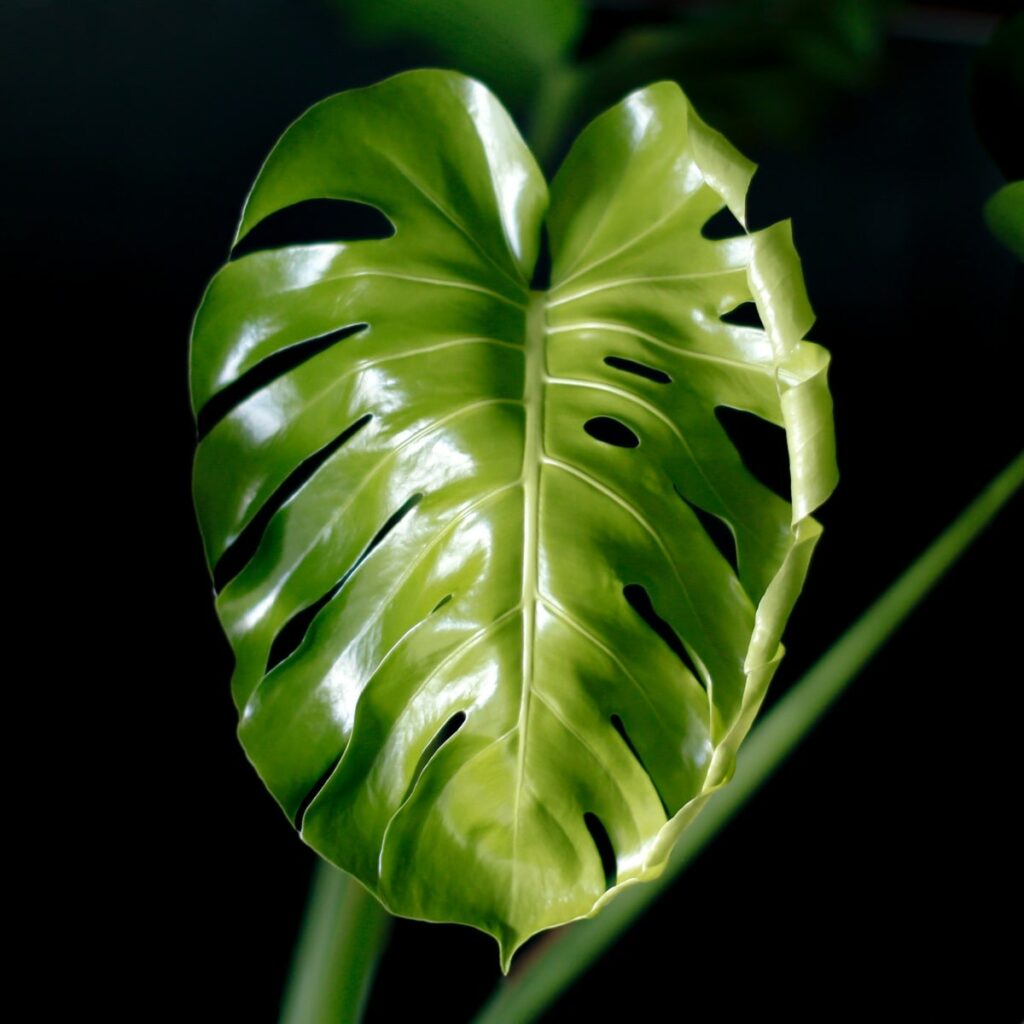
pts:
pixel 342 936
pixel 525 996
pixel 551 112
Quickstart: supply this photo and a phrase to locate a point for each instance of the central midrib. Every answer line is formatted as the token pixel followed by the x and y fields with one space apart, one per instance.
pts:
pixel 533 404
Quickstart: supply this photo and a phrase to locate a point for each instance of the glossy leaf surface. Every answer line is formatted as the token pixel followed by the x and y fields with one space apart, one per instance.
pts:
pixel 514 598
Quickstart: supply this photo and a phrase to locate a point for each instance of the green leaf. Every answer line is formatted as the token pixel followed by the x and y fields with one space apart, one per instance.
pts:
pixel 1004 215
pixel 530 663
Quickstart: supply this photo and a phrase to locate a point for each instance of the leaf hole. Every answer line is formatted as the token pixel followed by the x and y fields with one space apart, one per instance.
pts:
pixel 291 635
pixel 237 556
pixel 620 728
pixel 441 737
pixel 721 225
pixel 640 602
pixel 440 604
pixel 611 431
pixel 314 221
pixel 762 446
pixel 300 814
pixel 744 315
pixel 717 529
pixel 605 850
pixel 264 372
pixel 541 279
pixel 640 369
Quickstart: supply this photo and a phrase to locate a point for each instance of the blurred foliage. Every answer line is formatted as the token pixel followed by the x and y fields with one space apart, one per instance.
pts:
pixel 756 69
pixel 1004 215
pixel 505 43
pixel 997 101
pixel 997 96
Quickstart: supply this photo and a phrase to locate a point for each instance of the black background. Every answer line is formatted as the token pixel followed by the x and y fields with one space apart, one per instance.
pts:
pixel 875 875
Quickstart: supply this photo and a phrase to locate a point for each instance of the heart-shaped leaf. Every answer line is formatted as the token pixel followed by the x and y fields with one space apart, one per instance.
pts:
pixel 515 597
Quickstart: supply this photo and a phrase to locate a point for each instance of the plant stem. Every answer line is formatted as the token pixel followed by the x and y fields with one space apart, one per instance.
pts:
pixel 551 112
pixel 343 933
pixel 525 996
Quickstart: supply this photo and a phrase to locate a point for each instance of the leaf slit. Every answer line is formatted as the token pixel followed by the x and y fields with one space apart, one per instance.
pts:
pixel 718 531
pixel 241 550
pixel 744 315
pixel 441 737
pixel 264 372
pixel 314 793
pixel 620 728
pixel 440 604
pixel 641 603
pixel 722 225
pixel 605 850
pixel 315 221
pixel 293 632
pixel 761 445
pixel 640 369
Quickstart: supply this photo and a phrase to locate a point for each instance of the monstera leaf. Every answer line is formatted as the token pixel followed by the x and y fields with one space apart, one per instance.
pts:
pixel 516 597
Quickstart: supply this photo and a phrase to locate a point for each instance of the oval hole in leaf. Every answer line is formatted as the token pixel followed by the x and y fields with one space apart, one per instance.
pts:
pixel 314 792
pixel 722 225
pixel 640 602
pixel 293 632
pixel 744 315
pixel 619 726
pixel 762 447
pixel 605 850
pixel 237 556
pixel 441 737
pixel 717 529
pixel 640 369
pixel 611 431
pixel 265 371
pixel 313 221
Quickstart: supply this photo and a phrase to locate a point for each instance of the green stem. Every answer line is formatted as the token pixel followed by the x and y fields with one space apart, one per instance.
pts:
pixel 551 112
pixel 342 936
pixel 525 996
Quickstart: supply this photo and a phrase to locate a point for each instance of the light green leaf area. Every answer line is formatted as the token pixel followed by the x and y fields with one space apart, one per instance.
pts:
pixel 527 646
pixel 1004 215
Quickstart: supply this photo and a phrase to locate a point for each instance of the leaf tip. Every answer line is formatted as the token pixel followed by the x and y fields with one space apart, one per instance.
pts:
pixel 509 943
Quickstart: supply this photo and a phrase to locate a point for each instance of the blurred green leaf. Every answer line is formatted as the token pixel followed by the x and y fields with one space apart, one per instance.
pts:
pixel 506 45
pixel 760 70
pixel 1004 215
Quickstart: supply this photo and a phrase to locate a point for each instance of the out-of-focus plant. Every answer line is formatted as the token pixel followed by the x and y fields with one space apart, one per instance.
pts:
pixel 757 69
pixel 997 98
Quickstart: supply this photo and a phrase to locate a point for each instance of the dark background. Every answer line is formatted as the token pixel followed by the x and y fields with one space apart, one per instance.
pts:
pixel 875 875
